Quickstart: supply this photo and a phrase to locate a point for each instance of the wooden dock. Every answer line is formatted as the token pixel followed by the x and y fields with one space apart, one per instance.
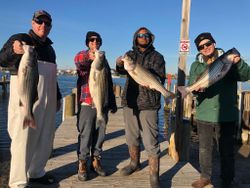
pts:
pixel 63 164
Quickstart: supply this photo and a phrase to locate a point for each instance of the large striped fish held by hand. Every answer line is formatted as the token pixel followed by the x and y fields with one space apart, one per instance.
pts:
pixel 98 84
pixel 28 78
pixel 215 72
pixel 145 78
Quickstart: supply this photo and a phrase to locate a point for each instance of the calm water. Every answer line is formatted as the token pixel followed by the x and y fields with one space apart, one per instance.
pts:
pixel 66 84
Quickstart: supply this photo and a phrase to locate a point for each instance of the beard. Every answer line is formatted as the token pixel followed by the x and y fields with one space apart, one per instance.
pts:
pixel 143 45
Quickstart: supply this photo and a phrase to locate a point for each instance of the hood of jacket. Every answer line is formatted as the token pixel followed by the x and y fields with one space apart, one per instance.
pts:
pixel 199 56
pixel 152 38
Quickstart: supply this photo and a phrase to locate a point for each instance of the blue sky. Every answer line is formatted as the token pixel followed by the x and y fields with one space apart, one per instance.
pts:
pixel 117 20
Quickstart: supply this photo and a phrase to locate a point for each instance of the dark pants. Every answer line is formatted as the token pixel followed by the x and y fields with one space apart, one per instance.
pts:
pixel 91 135
pixel 224 136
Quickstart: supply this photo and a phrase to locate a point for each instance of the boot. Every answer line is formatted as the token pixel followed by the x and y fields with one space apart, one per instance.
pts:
pixel 82 170
pixel 200 183
pixel 97 167
pixel 134 165
pixel 154 171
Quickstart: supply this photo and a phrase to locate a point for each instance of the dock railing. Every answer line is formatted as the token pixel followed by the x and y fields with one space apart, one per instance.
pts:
pixel 70 109
pixel 70 106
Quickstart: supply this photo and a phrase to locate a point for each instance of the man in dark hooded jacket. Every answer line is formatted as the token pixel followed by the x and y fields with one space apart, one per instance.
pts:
pixel 141 105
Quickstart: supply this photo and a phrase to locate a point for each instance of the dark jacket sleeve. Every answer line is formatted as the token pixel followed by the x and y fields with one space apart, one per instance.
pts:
pixel 8 58
pixel 242 72
pixel 111 98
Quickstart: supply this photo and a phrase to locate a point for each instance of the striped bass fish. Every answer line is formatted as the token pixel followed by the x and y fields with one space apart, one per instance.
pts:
pixel 145 78
pixel 98 84
pixel 28 78
pixel 214 72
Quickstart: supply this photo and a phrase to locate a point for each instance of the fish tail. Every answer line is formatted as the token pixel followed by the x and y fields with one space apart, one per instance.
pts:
pixel 184 92
pixel 29 121
pixel 172 152
pixel 100 121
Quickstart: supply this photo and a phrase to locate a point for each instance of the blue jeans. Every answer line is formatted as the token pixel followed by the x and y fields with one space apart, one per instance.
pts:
pixel 224 135
pixel 91 136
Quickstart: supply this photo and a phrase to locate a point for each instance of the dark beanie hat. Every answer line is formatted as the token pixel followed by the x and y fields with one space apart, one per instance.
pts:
pixel 203 36
pixel 92 34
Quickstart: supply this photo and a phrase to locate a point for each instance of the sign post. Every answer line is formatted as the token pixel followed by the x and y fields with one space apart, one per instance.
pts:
pixel 184 46
pixel 182 130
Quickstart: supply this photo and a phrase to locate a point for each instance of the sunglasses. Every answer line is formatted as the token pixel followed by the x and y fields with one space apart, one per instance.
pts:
pixel 143 35
pixel 94 39
pixel 40 22
pixel 207 44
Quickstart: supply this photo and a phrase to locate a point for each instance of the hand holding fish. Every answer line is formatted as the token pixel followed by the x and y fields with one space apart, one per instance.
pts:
pixel 129 64
pixel 18 47
pixel 200 90
pixel 28 78
pixel 119 61
pixel 92 53
pixel 234 58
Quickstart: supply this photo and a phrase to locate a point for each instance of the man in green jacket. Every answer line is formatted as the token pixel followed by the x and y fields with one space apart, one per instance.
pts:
pixel 216 110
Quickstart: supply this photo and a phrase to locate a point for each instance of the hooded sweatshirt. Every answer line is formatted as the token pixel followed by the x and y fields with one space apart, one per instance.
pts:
pixel 134 95
pixel 218 103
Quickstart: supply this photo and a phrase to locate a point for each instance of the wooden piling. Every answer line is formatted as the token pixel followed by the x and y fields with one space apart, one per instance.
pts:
pixel 74 91
pixel 245 116
pixel 117 90
pixel 69 106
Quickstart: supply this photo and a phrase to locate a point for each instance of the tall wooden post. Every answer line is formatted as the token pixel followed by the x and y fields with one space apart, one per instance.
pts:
pixel 182 134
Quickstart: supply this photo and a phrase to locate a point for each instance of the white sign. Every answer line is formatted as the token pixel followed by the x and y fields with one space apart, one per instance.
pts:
pixel 184 45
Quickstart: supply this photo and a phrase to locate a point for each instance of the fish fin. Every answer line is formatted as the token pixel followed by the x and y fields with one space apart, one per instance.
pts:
pixel 20 103
pixel 94 76
pixel 100 122
pixel 183 91
pixel 224 68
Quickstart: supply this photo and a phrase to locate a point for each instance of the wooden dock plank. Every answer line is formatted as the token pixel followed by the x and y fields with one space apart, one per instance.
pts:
pixel 63 164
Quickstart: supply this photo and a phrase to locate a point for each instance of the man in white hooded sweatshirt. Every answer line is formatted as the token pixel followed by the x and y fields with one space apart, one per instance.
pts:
pixel 31 148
